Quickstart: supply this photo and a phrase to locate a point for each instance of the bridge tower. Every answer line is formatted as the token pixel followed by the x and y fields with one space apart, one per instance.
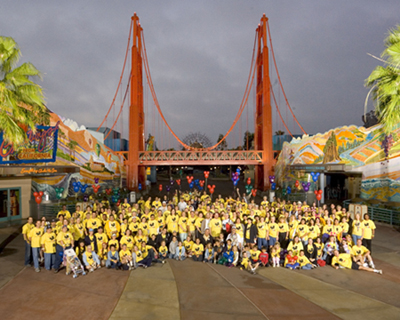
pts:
pixel 136 173
pixel 263 116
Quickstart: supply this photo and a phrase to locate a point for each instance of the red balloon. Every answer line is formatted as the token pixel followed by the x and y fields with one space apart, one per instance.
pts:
pixel 248 181
pixel 178 182
pixel 319 197
pixel 297 183
pixel 108 191
pixel 320 191
pixel 254 192
pixel 201 183
pixel 35 194
pixel 206 174
pixel 95 188
pixel 315 192
pixel 41 193
pixel 160 187
pixel 38 199
pixel 118 203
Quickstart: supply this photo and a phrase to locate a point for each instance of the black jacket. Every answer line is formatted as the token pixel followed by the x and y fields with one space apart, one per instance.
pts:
pixel 253 233
pixel 312 254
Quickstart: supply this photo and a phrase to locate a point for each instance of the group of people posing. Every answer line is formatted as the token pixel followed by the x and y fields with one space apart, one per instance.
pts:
pixel 232 232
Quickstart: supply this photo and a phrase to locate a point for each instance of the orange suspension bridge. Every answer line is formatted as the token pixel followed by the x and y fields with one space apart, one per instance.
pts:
pixel 258 82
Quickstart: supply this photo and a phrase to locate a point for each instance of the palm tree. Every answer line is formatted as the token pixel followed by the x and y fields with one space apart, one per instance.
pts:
pixel 71 146
pixel 21 100
pixel 385 83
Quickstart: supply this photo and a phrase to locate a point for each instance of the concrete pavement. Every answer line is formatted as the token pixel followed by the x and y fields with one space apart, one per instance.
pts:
pixel 192 290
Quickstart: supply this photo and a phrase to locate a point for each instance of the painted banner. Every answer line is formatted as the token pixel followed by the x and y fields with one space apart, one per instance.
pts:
pixel 41 146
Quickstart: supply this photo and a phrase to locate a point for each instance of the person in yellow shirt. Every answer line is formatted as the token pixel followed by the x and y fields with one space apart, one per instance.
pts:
pixel 113 242
pixel 90 259
pixel 172 222
pixel 78 230
pixel 273 230
pixel 361 254
pixel 313 230
pixel 112 226
pixel 26 229
pixel 48 242
pixel 368 232
pixel 305 264
pixel 163 251
pixel 64 212
pixel 197 250
pixel 283 235
pixel 188 243
pixel 295 246
pixel 216 226
pixel 303 231
pixel 94 222
pixel 128 240
pixel 64 240
pixel 34 238
pixel 134 225
pixel 357 229
pixel 101 238
pixel 262 234
pixel 126 258
pixel 343 260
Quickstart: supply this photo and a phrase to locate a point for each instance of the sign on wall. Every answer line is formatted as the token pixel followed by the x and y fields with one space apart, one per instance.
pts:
pixel 40 147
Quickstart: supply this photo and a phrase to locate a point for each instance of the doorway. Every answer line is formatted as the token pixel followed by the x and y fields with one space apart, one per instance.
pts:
pixel 10 204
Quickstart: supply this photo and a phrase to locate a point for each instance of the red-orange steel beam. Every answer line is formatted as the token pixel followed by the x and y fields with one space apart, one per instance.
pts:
pixel 136 174
pixel 263 117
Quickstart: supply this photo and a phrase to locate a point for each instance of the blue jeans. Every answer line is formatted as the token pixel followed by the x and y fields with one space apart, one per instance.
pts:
pixel 355 238
pixel 58 258
pixel 112 264
pixel 272 241
pixel 182 257
pixel 308 266
pixel 36 255
pixel 262 242
pixel 28 253
pixel 49 260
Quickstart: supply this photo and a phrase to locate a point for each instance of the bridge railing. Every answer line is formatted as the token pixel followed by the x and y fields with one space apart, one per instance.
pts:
pixel 234 157
pixel 389 216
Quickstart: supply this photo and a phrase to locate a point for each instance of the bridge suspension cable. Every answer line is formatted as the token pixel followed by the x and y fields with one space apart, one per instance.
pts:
pixel 238 115
pixel 120 78
pixel 279 79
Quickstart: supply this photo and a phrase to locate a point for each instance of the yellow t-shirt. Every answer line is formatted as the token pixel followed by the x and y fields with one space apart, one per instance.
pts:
pixel 343 260
pixel 124 253
pixel 172 223
pixel 183 224
pixel 128 240
pixel 35 234
pixel 302 231
pixel 283 227
pixel 163 250
pixel 198 249
pixel 216 227
pixel 113 242
pixel 261 230
pixel 273 230
pixel 303 260
pixel 295 247
pixel 357 228
pixel 313 232
pixel 65 237
pixel 367 227
pixel 27 228
pixel 89 257
pixel 255 254
pixel 188 245
pixel 356 250
pixel 49 242
pixel 153 227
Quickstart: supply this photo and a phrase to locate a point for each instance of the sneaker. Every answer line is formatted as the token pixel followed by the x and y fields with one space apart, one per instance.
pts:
pixel 91 270
pixel 145 267
pixel 56 270
pixel 37 270
pixel 163 262
pixel 372 266
pixel 380 272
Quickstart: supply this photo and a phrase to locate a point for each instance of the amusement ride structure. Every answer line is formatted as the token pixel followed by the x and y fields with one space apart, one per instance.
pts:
pixel 139 156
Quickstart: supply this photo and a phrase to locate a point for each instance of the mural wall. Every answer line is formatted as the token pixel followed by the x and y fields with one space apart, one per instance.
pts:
pixel 358 148
pixel 78 147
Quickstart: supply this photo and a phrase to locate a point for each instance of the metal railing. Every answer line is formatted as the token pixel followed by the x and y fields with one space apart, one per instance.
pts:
pixel 389 216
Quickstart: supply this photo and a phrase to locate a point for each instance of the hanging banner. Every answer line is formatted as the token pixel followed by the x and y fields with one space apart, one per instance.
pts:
pixel 40 147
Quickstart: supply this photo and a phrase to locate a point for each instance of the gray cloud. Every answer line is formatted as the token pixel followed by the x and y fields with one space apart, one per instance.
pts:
pixel 199 55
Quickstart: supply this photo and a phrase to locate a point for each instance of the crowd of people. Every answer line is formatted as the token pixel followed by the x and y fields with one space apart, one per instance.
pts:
pixel 227 231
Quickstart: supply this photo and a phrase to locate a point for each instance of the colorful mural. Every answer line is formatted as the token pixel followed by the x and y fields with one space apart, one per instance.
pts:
pixel 94 159
pixel 358 148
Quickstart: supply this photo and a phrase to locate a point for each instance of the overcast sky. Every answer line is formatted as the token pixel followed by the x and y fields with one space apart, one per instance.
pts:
pixel 199 54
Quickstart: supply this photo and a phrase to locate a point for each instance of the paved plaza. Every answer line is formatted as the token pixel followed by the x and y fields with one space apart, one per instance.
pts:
pixel 193 290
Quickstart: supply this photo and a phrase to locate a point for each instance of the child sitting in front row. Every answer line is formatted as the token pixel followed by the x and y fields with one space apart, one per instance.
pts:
pixel 291 261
